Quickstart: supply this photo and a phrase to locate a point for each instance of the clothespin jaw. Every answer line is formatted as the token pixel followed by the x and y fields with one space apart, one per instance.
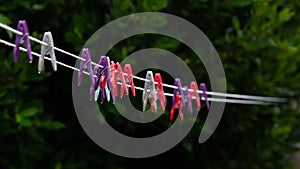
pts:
pixel 120 76
pixel 47 50
pixel 204 93
pixel 129 78
pixel 86 63
pixel 102 77
pixel 20 39
pixel 187 99
pixel 178 99
pixel 160 91
pixel 149 85
pixel 194 93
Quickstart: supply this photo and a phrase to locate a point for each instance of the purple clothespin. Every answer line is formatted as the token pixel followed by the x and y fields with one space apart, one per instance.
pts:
pixel 103 70
pixel 187 99
pixel 20 39
pixel 85 54
pixel 203 88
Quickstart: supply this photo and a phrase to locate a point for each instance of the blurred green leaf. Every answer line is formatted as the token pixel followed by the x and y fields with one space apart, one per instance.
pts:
pixel 51 125
pixel 30 111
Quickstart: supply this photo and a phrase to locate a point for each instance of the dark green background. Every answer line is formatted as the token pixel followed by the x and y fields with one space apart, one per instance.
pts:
pixel 258 43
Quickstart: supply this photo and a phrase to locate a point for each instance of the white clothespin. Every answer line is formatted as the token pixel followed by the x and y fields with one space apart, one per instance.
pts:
pixel 149 85
pixel 47 50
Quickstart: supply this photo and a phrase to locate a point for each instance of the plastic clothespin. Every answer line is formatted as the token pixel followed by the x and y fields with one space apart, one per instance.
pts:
pixel 177 100
pixel 160 91
pixel 203 88
pixel 20 39
pixel 107 90
pixel 149 85
pixel 47 50
pixel 85 54
pixel 129 79
pixel 113 81
pixel 194 93
pixel 187 99
pixel 120 76
pixel 102 78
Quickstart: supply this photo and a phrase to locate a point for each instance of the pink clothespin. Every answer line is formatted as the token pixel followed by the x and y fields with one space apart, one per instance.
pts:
pixel 113 81
pixel 194 93
pixel 160 91
pixel 120 76
pixel 129 79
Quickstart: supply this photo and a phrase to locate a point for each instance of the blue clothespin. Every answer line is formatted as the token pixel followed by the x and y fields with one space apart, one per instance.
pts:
pixel 187 99
pixel 20 39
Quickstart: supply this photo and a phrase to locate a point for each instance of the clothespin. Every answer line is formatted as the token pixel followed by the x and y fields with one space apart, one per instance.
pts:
pixel 194 93
pixel 107 90
pixel 120 76
pixel 187 99
pixel 129 79
pixel 113 81
pixel 85 54
pixel 20 39
pixel 47 50
pixel 160 91
pixel 203 88
pixel 177 100
pixel 149 85
pixel 102 77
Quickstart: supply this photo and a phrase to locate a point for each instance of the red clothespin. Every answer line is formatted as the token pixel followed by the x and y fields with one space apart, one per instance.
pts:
pixel 194 93
pixel 178 99
pixel 177 103
pixel 129 79
pixel 160 91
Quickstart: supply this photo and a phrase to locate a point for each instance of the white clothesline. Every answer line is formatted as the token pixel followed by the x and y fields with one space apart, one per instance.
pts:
pixel 249 97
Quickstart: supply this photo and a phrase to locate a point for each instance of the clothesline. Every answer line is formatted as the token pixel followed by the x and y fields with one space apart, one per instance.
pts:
pixel 139 88
pixel 252 99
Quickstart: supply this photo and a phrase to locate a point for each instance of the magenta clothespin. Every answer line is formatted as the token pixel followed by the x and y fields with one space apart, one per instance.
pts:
pixel 187 99
pixel 103 70
pixel 204 93
pixel 20 39
pixel 85 54
pixel 178 99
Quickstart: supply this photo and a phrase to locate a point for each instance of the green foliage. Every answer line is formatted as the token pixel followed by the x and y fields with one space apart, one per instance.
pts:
pixel 258 44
